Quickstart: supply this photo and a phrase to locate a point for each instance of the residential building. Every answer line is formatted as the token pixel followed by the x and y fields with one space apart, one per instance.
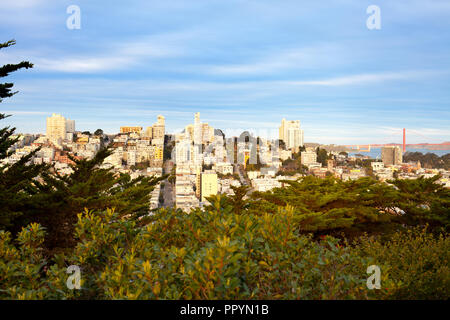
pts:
pixel 130 129
pixel 291 133
pixel 199 133
pixel 209 184
pixel 159 128
pixel 265 184
pixel 308 157
pixel 391 155
pixel 58 127
pixel 224 168
pixel 377 166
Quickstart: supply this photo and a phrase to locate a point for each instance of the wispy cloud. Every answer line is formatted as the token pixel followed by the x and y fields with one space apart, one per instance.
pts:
pixel 287 59
pixel 362 79
pixel 115 58
pixel 22 112
pixel 20 4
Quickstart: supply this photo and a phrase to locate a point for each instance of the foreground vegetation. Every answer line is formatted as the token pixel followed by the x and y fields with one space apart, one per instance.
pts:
pixel 217 254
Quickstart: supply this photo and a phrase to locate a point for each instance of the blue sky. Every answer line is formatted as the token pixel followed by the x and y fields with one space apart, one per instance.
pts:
pixel 243 64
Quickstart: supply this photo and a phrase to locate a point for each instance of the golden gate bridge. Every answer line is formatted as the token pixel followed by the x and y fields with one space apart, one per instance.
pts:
pixel 367 147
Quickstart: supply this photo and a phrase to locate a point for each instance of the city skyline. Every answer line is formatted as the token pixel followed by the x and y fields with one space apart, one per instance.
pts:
pixel 242 69
pixel 272 134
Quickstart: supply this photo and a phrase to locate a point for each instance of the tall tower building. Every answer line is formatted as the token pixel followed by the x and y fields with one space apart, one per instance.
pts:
pixel 391 155
pixel 200 133
pixel 189 131
pixel 58 126
pixel 207 133
pixel 291 133
pixel 159 128
pixel 197 129
pixel 161 120
pixel 183 152
pixel 197 118
pixel 70 126
pixel 149 132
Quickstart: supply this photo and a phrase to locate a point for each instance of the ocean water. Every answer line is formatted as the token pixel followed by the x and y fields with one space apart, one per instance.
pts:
pixel 376 152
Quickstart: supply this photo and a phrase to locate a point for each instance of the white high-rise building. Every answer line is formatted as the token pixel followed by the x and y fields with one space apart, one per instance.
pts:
pixel 291 133
pixel 70 126
pixel 159 128
pixel 200 133
pixel 58 127
pixel 183 152
pixel 197 129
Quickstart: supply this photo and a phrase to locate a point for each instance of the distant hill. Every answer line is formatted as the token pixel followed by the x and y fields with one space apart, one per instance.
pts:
pixel 429 160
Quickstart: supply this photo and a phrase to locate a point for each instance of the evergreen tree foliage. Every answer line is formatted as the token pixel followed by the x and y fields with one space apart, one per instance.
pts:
pixel 322 156
pixel 424 201
pixel 93 187
pixel 5 92
pixel 18 184
pixel 332 206
pixel 237 200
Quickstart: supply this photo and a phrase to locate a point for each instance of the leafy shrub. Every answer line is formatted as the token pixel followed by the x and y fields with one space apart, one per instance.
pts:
pixel 21 268
pixel 217 254
pixel 417 263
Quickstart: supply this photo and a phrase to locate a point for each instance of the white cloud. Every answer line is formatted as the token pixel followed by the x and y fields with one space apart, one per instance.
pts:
pixel 21 112
pixel 350 80
pixel 416 131
pixel 298 58
pixel 360 79
pixel 118 57
pixel 20 4
pixel 111 57
pixel 81 65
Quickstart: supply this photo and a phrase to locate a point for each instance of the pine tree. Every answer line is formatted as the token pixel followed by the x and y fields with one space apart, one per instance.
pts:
pixel 237 200
pixel 332 206
pixel 90 187
pixel 17 181
pixel 5 92
pixel 424 201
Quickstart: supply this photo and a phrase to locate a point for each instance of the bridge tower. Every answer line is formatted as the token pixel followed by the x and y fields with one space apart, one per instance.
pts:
pixel 404 140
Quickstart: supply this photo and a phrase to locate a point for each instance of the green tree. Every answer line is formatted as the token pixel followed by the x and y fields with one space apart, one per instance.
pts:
pixel 333 206
pixel 92 187
pixel 5 92
pixel 424 201
pixel 237 201
pixel 322 156
pixel 18 184
pixel 429 160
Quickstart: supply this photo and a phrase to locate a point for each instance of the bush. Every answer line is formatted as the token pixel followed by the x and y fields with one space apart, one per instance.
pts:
pixel 216 254
pixel 417 263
